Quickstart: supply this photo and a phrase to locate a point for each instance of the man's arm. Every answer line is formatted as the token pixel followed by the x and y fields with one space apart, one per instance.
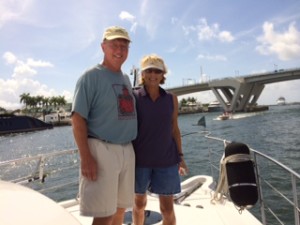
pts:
pixel 88 163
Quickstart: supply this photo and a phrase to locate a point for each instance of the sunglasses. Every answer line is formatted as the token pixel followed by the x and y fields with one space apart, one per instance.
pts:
pixel 121 47
pixel 156 71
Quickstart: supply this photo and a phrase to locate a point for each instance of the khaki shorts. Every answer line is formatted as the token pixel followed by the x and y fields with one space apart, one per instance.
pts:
pixel 114 187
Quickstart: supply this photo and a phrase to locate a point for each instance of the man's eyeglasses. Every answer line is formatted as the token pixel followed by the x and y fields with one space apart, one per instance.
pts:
pixel 151 70
pixel 116 46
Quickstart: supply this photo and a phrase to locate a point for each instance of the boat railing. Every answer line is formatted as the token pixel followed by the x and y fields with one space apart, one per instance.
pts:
pixel 278 195
pixel 33 171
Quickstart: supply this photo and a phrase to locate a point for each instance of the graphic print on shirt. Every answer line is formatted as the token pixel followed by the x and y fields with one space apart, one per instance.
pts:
pixel 125 102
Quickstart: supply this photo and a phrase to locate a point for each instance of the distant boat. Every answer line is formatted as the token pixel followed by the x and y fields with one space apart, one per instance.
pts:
pixel 224 116
pixel 17 124
pixel 215 106
pixel 281 101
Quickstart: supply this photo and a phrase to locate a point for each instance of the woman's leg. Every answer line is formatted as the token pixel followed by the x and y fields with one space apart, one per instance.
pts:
pixel 138 213
pixel 167 210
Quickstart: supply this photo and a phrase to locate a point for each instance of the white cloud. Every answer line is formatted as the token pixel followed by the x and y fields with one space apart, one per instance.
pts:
pixel 133 27
pixel 208 32
pixel 38 63
pixel 172 49
pixel 127 16
pixel 174 20
pixel 212 57
pixel 24 69
pixel 9 57
pixel 225 36
pixel 188 29
pixel 21 82
pixel 148 20
pixel 285 45
pixel 68 96
pixel 13 10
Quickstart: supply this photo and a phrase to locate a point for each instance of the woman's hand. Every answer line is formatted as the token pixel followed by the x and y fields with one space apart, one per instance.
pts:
pixel 183 170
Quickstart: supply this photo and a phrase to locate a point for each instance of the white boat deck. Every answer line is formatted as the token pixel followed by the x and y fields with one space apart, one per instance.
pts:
pixel 22 205
pixel 195 209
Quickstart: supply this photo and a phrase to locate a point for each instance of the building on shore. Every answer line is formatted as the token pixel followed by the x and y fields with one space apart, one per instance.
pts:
pixel 191 107
pixel 59 118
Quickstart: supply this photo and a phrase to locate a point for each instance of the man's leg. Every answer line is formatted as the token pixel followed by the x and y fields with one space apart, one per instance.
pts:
pixel 103 220
pixel 118 217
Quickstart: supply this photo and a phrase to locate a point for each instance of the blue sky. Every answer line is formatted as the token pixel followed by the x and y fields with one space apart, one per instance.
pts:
pixel 46 45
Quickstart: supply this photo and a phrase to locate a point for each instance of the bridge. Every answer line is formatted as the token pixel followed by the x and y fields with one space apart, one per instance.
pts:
pixel 239 94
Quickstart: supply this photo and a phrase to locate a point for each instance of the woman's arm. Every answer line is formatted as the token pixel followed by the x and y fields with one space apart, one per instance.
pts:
pixel 183 170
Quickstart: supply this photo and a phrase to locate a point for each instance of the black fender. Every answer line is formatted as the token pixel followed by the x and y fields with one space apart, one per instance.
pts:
pixel 240 172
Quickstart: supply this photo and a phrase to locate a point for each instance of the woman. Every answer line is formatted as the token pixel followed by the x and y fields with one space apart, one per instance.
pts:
pixel 159 156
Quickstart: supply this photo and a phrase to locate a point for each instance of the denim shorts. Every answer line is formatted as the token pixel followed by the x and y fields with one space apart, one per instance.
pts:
pixel 161 181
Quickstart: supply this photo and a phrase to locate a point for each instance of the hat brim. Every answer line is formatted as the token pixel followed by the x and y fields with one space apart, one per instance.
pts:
pixel 117 37
pixel 154 67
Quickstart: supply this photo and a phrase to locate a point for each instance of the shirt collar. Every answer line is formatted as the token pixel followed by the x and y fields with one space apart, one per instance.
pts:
pixel 144 92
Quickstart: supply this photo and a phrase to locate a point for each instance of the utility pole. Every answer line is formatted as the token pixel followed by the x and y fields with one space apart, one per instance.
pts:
pixel 134 71
pixel 201 75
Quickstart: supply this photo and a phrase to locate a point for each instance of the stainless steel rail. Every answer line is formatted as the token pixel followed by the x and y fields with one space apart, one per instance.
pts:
pixel 40 167
pixel 288 180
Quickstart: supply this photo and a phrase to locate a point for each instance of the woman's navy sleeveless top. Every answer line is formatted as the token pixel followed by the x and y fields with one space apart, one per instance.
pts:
pixel 154 145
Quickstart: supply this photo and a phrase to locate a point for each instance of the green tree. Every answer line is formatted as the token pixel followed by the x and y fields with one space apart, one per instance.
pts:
pixel 39 101
pixel 61 100
pixel 25 98
pixel 183 101
pixel 192 99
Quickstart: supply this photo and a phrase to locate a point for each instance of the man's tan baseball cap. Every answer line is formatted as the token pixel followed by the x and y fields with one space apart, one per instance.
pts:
pixel 115 32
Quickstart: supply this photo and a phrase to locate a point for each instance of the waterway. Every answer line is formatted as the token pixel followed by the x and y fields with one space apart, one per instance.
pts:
pixel 275 132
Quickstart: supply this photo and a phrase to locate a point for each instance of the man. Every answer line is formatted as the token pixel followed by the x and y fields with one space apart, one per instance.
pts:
pixel 104 124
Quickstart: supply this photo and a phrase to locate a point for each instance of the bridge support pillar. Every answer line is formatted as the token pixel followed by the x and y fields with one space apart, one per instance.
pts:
pixel 235 95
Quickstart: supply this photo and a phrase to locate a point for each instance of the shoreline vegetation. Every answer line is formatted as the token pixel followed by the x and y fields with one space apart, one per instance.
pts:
pixel 204 108
pixel 51 110
pixel 57 111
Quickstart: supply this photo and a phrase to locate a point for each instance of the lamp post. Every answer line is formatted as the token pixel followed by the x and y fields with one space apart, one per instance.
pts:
pixel 134 71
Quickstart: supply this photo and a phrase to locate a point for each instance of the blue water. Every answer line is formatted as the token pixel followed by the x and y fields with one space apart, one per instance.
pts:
pixel 275 132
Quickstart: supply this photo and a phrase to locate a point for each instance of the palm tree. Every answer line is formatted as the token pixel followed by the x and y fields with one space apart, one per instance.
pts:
pixel 25 99
pixel 183 101
pixel 53 101
pixel 192 99
pixel 2 110
pixel 46 102
pixel 39 100
pixel 61 100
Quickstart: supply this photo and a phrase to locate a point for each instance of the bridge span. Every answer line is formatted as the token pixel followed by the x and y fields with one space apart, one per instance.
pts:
pixel 239 94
